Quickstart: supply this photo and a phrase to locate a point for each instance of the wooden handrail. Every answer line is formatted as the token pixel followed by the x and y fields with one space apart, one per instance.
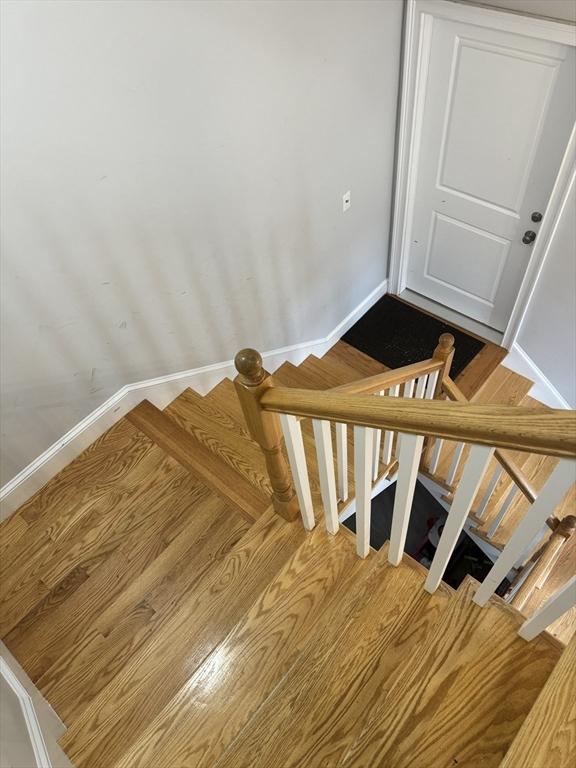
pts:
pixel 551 432
pixel 390 378
pixel 503 457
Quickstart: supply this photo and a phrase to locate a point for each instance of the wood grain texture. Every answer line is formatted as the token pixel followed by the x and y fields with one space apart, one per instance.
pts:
pixel 107 646
pixel 552 432
pixel 99 525
pixel 464 699
pixel 135 696
pixel 548 735
pixel 220 434
pixel 233 682
pixel 199 459
pixel 313 717
pixel 358 361
pixel 42 638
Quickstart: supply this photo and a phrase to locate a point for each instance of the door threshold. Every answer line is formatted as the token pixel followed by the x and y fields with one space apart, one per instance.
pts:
pixel 452 317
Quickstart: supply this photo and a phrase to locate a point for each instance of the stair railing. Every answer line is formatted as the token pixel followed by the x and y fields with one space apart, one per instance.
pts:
pixel 486 428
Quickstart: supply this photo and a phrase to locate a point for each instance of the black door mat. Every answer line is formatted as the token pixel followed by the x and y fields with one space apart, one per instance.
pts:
pixel 426 522
pixel 398 334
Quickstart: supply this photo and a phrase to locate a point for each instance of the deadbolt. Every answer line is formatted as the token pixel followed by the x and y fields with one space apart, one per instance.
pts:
pixel 529 237
pixel 536 216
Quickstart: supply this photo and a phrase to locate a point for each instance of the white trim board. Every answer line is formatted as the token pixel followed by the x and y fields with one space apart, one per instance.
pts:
pixel 417 33
pixel 160 391
pixel 29 714
pixel 543 390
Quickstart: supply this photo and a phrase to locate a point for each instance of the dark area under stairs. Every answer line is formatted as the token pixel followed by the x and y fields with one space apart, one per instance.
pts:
pixel 426 521
pixel 396 333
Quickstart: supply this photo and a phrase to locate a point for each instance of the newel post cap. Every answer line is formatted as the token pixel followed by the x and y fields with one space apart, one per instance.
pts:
pixel 248 363
pixel 446 341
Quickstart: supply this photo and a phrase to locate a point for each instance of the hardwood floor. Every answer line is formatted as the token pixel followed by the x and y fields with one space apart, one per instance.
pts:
pixel 174 621
pixel 548 735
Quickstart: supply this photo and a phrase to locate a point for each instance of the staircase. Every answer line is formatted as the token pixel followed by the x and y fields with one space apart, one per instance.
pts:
pixel 174 618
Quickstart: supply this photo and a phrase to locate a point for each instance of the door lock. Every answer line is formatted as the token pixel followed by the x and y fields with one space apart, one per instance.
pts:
pixel 529 237
pixel 536 217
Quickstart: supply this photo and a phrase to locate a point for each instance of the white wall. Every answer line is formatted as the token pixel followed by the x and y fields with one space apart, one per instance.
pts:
pixel 548 331
pixel 172 189
pixel 563 10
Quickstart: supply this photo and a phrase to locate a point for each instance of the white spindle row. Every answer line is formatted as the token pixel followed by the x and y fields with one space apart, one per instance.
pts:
pixel 528 528
pixel 409 450
pixel 472 475
pixel 504 507
pixel 481 510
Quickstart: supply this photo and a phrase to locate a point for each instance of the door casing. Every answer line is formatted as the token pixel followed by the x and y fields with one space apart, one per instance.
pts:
pixel 417 41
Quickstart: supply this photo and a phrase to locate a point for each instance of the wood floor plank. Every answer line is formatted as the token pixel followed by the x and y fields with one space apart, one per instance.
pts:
pixel 155 674
pixel 314 714
pixel 464 700
pixel 548 735
pixel 198 724
pixel 84 670
pixel 46 633
pixel 96 471
pixel 196 455
pixel 358 361
pixel 227 443
pixel 99 529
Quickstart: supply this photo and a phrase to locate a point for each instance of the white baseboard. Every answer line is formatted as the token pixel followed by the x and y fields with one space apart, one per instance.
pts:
pixel 517 360
pixel 42 723
pixel 160 391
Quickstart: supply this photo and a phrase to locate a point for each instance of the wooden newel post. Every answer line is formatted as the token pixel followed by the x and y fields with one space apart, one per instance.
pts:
pixel 548 557
pixel 251 383
pixel 445 352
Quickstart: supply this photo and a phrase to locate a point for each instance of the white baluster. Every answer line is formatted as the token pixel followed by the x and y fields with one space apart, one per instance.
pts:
pixel 420 387
pixel 376 450
pixel 548 499
pixel 363 439
pixel 431 385
pixel 474 470
pixel 504 507
pixel 560 602
pixel 408 388
pixel 342 460
pixel 323 438
pixel 457 455
pixel 435 457
pixel 408 462
pixel 489 491
pixel 297 458
pixel 388 435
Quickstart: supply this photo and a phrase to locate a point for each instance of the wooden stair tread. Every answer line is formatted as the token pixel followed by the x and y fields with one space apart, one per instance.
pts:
pixel 548 735
pixel 358 361
pixel 124 624
pixel 338 679
pixel 229 687
pixel 222 435
pixel 192 450
pixel 55 506
pixel 45 633
pixel 464 699
pixel 86 538
pixel 154 675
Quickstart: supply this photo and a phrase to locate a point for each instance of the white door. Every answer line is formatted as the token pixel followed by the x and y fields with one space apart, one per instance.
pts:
pixel 497 112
